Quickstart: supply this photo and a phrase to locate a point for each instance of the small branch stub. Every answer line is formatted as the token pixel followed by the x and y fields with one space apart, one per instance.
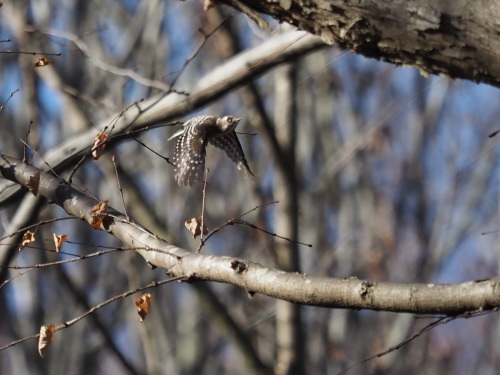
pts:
pixel 364 288
pixel 238 266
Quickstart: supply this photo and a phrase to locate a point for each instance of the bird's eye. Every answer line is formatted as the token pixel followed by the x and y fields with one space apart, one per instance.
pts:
pixel 229 119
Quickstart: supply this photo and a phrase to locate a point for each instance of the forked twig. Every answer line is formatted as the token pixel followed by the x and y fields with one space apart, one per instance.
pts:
pixel 36 225
pixel 246 223
pixel 93 147
pixel 67 324
pixel 76 257
pixel 439 321
pixel 206 36
pixel 41 157
pixel 231 222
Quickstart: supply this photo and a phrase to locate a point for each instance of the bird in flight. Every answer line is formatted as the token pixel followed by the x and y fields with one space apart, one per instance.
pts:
pixel 190 150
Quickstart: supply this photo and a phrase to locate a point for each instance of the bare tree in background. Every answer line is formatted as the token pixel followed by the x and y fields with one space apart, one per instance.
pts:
pixel 389 175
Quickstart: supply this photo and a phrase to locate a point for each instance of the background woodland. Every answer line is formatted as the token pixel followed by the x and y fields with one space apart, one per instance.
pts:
pixel 387 171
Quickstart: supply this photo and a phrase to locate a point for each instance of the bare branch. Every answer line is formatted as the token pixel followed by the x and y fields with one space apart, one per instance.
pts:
pixel 67 324
pixel 293 287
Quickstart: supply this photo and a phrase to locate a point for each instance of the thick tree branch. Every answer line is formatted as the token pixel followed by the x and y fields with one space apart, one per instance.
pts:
pixel 255 278
pixel 456 39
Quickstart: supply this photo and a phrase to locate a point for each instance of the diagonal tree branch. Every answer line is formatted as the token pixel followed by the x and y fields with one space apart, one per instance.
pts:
pixel 348 293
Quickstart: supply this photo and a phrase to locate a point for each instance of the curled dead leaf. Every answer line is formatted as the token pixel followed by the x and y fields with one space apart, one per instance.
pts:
pixel 42 62
pixel 194 226
pixel 98 213
pixel 59 240
pixel 28 238
pixel 46 338
pixel 99 146
pixel 143 304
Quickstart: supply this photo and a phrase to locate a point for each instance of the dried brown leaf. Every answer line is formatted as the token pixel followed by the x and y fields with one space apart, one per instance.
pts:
pixel 99 146
pixel 28 238
pixel 59 240
pixel 42 62
pixel 194 226
pixel 46 338
pixel 143 304
pixel 98 213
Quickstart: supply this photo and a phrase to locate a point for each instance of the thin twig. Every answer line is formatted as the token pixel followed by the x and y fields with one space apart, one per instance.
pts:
pixel 203 209
pixel 36 225
pixel 30 53
pixel 76 257
pixel 26 141
pixel 206 36
pixel 231 222
pixel 439 321
pixel 114 121
pixel 130 133
pixel 67 324
pixel 405 341
pixel 113 159
pixel 246 223
pixel 153 151
pixel 8 99
pixel 494 134
pixel 101 63
pixel 490 232
pixel 41 157
pixel 257 207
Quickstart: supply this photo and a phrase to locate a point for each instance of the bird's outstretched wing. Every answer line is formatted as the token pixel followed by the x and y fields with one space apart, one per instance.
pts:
pixel 232 147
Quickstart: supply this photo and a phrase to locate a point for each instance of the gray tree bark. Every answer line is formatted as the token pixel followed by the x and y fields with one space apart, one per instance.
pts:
pixel 455 39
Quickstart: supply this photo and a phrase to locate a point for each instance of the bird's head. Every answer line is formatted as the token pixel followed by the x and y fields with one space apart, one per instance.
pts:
pixel 227 123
